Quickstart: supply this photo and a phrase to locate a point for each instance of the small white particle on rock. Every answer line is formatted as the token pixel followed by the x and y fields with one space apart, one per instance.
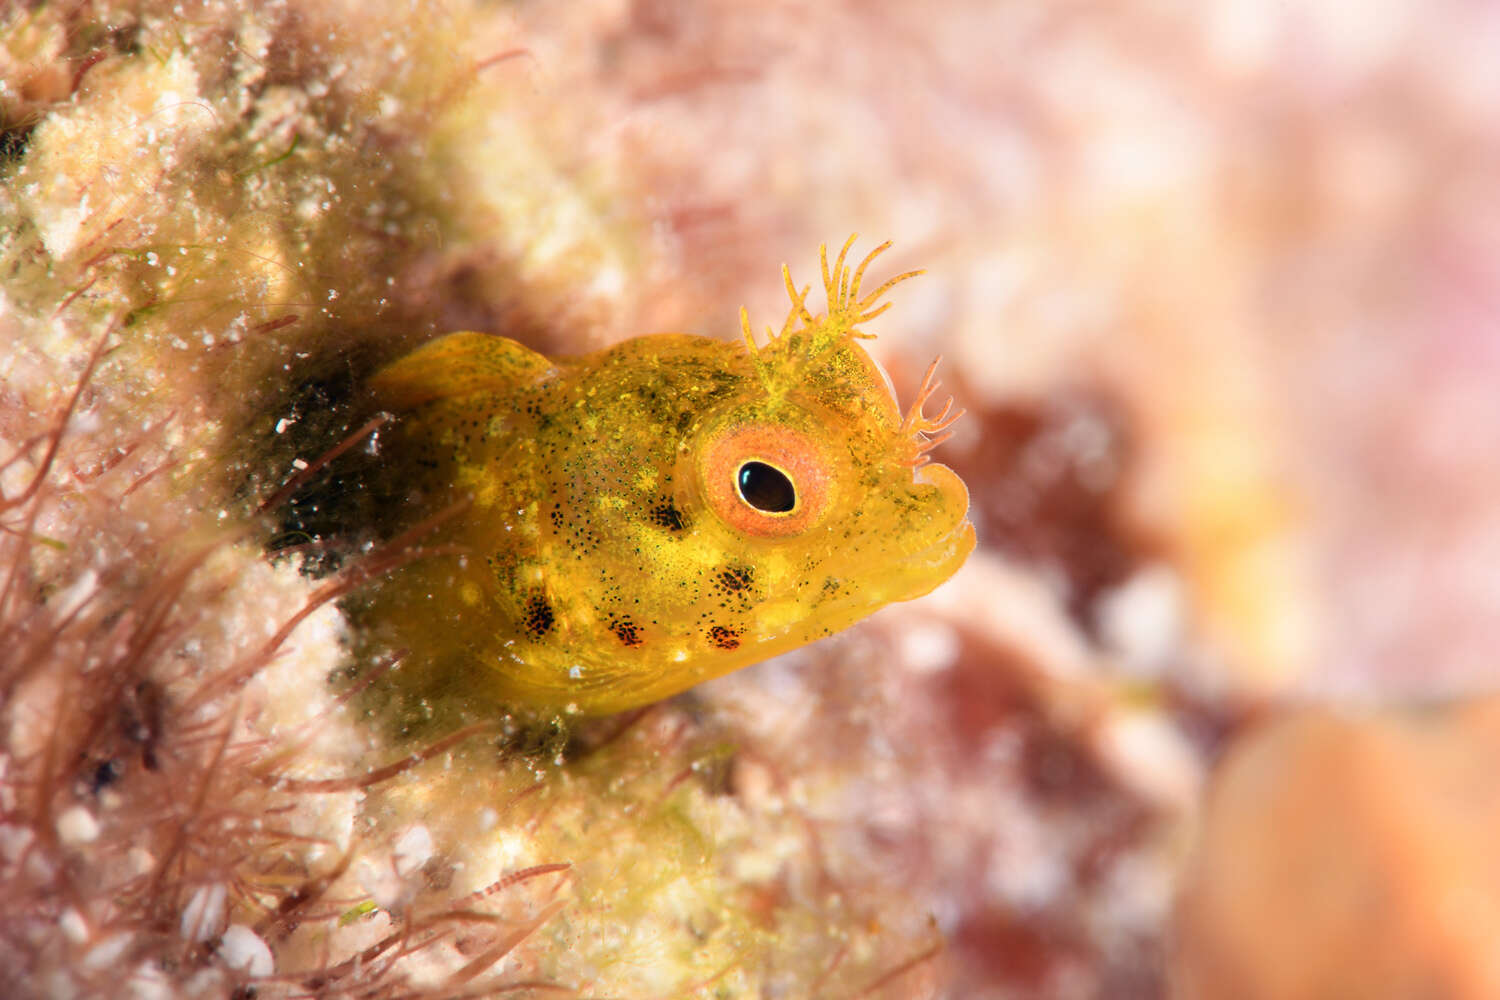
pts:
pixel 242 949
pixel 107 953
pixel 150 982
pixel 80 590
pixel 40 866
pixel 73 926
pixel 14 840
pixel 412 850
pixel 140 860
pixel 77 825
pixel 204 912
pixel 385 890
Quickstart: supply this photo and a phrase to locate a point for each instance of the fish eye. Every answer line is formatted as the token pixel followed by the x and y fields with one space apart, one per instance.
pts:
pixel 765 479
pixel 766 488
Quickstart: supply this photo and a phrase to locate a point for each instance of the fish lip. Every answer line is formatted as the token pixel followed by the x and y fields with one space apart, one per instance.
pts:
pixel 943 557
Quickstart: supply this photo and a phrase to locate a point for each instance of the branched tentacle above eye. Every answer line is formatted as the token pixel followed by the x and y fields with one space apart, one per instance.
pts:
pixel 762 367
pixel 807 338
pixel 926 433
pixel 846 310
pixel 799 314
pixel 799 302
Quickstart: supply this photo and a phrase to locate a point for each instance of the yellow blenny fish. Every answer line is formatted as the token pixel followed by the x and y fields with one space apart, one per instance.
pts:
pixel 666 510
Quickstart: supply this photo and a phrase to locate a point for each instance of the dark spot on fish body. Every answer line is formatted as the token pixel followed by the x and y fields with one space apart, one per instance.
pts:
pixel 627 631
pixel 736 578
pixel 666 515
pixel 724 637
pixel 538 618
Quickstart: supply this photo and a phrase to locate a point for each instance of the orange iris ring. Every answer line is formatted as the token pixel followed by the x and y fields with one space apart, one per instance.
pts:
pixel 790 452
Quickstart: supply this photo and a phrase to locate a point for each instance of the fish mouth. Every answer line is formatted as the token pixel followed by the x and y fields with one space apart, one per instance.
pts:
pixel 920 572
pixel 943 558
pixel 926 567
pixel 929 568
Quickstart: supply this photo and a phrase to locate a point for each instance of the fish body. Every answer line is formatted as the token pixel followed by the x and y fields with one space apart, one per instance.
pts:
pixel 648 516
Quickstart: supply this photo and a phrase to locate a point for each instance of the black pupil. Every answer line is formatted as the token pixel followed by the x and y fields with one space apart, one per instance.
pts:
pixel 766 488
